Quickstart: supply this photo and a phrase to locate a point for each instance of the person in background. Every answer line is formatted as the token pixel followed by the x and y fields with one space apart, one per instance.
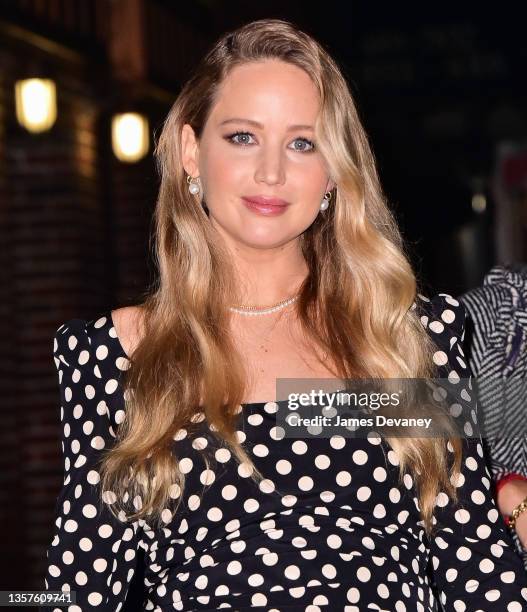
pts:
pixel 496 344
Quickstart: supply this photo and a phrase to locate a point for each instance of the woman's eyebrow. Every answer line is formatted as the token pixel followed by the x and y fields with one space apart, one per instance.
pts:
pixel 298 126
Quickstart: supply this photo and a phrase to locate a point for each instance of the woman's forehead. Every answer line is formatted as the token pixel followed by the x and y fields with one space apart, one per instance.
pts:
pixel 268 89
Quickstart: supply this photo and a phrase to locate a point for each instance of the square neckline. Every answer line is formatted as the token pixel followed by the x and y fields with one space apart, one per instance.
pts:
pixel 125 355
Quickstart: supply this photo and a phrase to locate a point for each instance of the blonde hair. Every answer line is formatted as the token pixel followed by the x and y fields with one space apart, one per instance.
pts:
pixel 356 302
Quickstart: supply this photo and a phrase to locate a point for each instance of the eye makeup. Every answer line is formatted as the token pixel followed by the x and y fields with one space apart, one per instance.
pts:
pixel 230 138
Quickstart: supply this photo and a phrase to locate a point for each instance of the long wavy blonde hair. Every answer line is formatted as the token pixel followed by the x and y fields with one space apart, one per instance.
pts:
pixel 356 301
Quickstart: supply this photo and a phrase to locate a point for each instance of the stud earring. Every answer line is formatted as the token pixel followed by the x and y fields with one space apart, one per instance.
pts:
pixel 325 202
pixel 193 187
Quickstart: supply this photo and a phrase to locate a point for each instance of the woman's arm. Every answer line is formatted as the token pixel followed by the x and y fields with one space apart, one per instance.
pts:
pixel 474 562
pixel 511 490
pixel 92 552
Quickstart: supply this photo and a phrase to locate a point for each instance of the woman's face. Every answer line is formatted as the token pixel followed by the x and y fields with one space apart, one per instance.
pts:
pixel 258 143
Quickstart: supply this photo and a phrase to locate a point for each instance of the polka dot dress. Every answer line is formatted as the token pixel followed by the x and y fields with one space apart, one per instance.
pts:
pixel 329 528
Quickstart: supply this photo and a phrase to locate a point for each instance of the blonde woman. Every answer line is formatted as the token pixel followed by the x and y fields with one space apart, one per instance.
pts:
pixel 278 258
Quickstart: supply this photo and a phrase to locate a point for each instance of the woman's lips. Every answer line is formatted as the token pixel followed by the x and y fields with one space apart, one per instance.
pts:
pixel 263 206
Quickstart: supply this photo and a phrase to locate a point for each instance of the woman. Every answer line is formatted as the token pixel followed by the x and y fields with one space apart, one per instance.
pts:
pixel 497 357
pixel 170 438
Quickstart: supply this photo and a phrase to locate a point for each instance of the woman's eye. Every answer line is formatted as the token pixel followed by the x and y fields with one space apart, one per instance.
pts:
pixel 303 141
pixel 243 138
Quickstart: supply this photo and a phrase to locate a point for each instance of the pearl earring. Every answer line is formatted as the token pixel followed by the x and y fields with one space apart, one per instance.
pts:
pixel 193 187
pixel 325 202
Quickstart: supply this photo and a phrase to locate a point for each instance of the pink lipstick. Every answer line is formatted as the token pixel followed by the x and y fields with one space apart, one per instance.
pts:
pixel 265 205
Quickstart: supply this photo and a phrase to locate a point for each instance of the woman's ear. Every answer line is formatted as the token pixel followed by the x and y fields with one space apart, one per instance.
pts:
pixel 331 185
pixel 189 151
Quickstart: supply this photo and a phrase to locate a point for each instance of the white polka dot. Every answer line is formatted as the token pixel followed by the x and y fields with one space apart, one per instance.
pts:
pixel 305 483
pixel 322 462
pixel 334 541
pixel 440 358
pixel 283 466
pixel 463 553
pixel 260 450
pixel 379 474
pixel 266 486
pixel 101 352
pixel 54 571
pixel 97 442
pixel 359 457
pixel 223 455
pixel 292 572
pixel 353 595
pixel 363 493
pixel 508 577
pixel 251 505
pixel 94 598
pixel 486 566
pixel 363 574
pixel 85 544
pixel 299 447
pixel 234 567
pixel 89 511
pixel 337 442
pixel 462 516
pixel 436 326
pixel 229 492
pixel 214 514
pixel 105 531
pixel 245 469
pixel 448 316
pixel 185 465
pixel 343 478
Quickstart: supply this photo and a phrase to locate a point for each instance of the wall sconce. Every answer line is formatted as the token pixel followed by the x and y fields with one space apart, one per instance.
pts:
pixel 36 104
pixel 479 203
pixel 130 140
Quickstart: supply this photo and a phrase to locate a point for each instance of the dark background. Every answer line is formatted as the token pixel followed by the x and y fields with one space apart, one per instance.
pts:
pixel 441 90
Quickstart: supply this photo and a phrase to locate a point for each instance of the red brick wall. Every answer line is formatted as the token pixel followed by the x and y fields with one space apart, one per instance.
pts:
pixel 74 231
pixel 74 224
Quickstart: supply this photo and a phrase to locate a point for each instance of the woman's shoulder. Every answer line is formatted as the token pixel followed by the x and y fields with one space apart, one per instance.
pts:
pixel 109 336
pixel 127 322
pixel 444 318
pixel 442 314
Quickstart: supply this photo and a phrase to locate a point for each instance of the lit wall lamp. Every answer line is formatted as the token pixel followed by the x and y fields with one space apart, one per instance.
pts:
pixel 36 104
pixel 130 140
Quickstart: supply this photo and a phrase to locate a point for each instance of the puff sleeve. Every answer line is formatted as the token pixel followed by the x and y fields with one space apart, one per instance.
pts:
pixel 92 553
pixel 473 561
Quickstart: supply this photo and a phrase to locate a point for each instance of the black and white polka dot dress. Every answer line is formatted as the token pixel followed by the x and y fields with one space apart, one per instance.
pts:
pixel 344 536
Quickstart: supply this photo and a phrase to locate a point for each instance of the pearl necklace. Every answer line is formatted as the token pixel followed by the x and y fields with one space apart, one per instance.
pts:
pixel 251 311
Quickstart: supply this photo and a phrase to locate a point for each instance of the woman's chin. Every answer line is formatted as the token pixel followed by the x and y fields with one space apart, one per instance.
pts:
pixel 264 239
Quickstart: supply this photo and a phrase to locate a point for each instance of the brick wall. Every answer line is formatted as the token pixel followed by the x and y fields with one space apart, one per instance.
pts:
pixel 74 226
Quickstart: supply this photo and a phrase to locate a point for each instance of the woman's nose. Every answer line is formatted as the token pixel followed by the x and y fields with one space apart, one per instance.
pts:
pixel 270 167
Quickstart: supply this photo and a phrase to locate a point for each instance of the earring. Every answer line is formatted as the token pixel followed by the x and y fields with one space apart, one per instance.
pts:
pixel 325 202
pixel 193 187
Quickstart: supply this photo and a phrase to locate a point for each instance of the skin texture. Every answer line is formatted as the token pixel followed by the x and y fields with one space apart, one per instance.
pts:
pixel 266 253
pixel 271 160
pixel 509 496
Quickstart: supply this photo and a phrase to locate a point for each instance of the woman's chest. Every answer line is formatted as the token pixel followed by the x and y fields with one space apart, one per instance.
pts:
pixel 319 476
pixel 282 353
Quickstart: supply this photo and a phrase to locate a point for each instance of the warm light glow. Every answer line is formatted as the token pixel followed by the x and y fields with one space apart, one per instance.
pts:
pixel 479 202
pixel 36 104
pixel 130 139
